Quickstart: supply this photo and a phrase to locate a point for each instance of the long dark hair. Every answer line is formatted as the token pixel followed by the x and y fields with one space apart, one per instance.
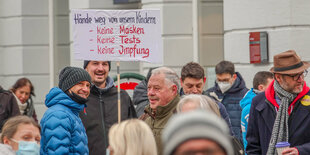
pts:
pixel 21 83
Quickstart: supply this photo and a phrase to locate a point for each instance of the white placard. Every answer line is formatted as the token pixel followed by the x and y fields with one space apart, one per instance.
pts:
pixel 117 35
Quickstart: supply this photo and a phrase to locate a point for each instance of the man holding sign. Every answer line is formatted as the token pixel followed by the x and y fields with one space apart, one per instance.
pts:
pixel 101 111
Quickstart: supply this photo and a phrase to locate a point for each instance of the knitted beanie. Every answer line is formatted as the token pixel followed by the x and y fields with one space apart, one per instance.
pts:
pixel 197 124
pixel 70 76
pixel 86 63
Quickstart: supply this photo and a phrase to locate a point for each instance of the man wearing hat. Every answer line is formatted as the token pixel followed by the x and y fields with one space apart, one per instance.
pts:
pixel 62 131
pixel 102 110
pixel 196 132
pixel 281 113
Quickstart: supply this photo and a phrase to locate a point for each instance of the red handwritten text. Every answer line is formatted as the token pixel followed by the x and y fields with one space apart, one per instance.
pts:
pixel 132 51
pixel 104 30
pixel 131 30
pixel 105 40
pixel 105 50
pixel 126 40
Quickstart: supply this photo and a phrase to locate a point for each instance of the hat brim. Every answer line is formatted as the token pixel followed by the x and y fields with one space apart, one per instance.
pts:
pixel 305 66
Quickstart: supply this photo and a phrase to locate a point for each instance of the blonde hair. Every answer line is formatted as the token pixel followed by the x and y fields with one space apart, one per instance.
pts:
pixel 132 137
pixel 202 101
pixel 10 126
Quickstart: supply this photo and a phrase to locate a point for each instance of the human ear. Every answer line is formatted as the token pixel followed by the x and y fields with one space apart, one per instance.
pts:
pixel 277 77
pixel 235 76
pixel 175 89
pixel 260 87
pixel 6 141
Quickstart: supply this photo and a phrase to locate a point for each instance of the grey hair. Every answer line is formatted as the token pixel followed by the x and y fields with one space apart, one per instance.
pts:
pixel 202 101
pixel 170 75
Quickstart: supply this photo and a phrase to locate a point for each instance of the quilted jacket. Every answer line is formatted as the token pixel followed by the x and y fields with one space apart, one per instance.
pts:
pixel 231 99
pixel 62 131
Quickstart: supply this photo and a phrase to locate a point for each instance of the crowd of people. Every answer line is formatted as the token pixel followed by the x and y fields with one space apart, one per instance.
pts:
pixel 168 114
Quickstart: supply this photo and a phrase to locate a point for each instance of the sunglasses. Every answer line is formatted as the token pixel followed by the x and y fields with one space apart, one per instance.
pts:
pixel 297 76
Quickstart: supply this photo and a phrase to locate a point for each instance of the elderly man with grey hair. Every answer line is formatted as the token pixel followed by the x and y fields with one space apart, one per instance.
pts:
pixel 163 94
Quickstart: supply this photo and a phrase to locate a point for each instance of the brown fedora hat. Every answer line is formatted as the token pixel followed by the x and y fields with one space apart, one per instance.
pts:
pixel 288 63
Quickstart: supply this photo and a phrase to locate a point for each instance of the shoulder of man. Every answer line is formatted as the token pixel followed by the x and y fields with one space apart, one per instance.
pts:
pixel 212 89
pixel 260 97
pixel 212 93
pixel 305 100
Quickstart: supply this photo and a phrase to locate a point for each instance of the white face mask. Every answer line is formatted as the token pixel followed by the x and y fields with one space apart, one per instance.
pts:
pixel 224 86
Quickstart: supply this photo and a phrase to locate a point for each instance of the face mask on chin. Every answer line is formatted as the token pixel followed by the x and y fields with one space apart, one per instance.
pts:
pixel 224 86
pixel 27 148
pixel 75 97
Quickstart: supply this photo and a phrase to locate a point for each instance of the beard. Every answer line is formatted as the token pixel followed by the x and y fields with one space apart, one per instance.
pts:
pixel 292 89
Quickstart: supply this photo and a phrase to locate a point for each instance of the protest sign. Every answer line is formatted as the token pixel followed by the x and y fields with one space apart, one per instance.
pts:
pixel 117 35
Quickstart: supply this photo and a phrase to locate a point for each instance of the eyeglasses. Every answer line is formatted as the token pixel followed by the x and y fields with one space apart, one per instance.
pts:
pixel 297 76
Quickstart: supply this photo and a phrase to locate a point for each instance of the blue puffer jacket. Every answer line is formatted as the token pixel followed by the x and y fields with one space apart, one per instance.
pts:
pixel 62 131
pixel 245 104
pixel 231 99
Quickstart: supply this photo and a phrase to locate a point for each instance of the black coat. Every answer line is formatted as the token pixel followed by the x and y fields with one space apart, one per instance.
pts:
pixel 262 117
pixel 8 106
pixel 98 122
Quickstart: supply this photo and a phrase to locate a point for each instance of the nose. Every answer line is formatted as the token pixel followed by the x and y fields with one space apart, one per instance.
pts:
pixel 300 78
pixel 23 96
pixel 150 92
pixel 86 88
pixel 100 67
pixel 195 90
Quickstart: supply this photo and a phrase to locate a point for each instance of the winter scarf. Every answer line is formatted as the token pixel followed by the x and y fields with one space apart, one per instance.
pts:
pixel 280 127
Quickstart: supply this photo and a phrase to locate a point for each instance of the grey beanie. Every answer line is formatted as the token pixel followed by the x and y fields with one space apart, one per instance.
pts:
pixel 70 76
pixel 197 124
pixel 86 63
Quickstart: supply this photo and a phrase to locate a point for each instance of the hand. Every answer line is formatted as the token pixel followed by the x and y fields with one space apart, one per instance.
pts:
pixel 290 151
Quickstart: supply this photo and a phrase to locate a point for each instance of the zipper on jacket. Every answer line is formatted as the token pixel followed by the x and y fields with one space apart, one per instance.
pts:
pixel 102 119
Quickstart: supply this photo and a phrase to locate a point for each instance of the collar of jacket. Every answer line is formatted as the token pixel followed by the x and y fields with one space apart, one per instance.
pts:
pixel 97 90
pixel 238 85
pixel 162 111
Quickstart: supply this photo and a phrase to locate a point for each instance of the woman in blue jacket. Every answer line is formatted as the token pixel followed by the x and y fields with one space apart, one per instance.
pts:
pixel 62 130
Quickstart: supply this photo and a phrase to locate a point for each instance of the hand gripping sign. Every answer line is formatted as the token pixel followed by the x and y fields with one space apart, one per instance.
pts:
pixel 117 35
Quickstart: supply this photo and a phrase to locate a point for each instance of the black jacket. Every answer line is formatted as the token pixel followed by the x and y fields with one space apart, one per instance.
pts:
pixel 8 106
pixel 98 122
pixel 140 98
